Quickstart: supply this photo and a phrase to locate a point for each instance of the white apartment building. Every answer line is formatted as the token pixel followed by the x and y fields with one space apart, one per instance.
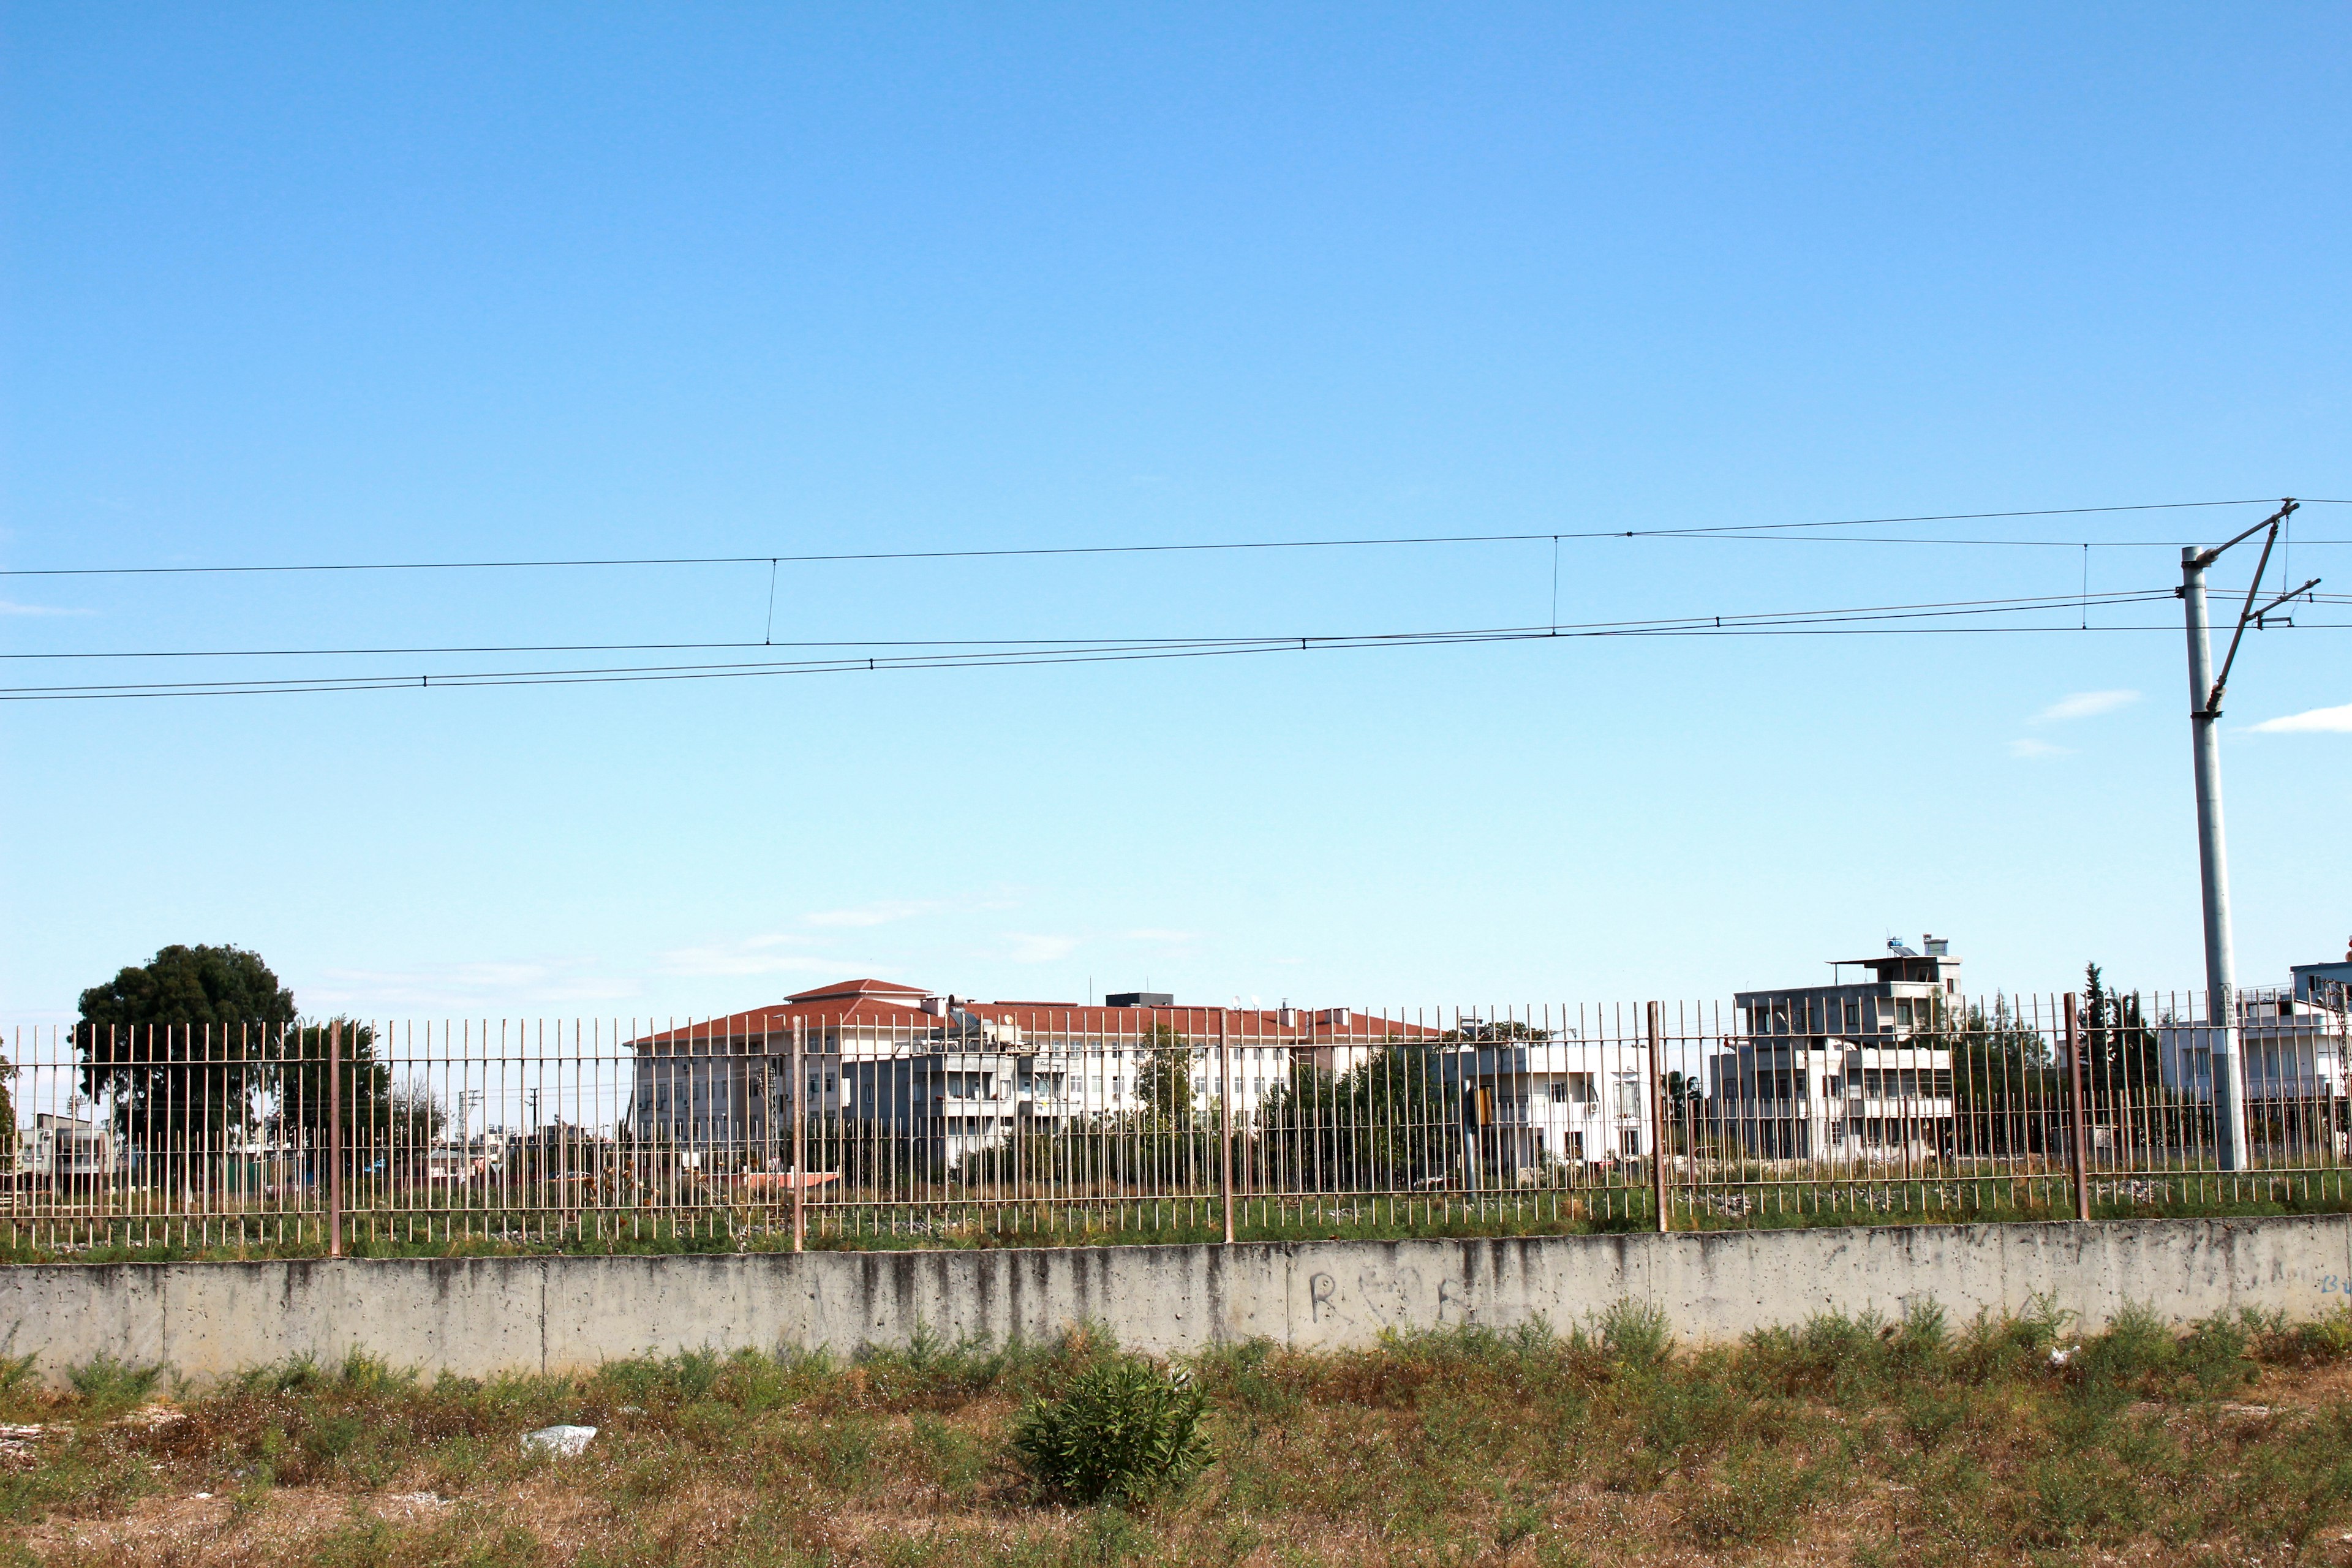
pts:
pixel 956 1074
pixel 2292 1048
pixel 1563 1101
pixel 1834 1072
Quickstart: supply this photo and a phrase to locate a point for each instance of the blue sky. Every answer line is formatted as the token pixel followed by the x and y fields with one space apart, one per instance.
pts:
pixel 360 284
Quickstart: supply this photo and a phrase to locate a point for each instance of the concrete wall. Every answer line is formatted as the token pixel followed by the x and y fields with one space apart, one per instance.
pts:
pixel 486 1315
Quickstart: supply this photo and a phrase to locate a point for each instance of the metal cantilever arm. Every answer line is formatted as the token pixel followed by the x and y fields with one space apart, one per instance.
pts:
pixel 2286 507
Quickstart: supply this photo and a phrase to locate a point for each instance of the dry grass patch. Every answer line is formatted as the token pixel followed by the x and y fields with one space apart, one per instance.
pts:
pixel 1838 1441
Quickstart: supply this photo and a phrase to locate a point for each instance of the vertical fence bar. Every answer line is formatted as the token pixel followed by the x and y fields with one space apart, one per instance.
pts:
pixel 796 1096
pixel 334 1138
pixel 2079 1138
pixel 1657 1125
pixel 1225 1126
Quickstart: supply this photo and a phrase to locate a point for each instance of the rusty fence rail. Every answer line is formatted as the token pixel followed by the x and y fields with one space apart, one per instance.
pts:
pixel 1010 1120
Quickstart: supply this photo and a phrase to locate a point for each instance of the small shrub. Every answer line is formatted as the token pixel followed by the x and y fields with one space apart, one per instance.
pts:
pixel 2324 1340
pixel 1124 1432
pixel 1759 1499
pixel 108 1384
pixel 2214 1354
pixel 2137 1346
pixel 1634 1333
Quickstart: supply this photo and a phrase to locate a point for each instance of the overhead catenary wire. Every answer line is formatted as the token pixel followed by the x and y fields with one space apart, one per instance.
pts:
pixel 1857 620
pixel 1719 530
pixel 2083 600
pixel 1951 606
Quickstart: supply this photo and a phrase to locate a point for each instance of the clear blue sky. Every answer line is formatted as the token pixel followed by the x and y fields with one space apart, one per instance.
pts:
pixel 381 283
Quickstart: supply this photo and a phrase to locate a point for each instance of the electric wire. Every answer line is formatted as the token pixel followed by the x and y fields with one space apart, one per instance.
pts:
pixel 1957 606
pixel 1853 620
pixel 773 560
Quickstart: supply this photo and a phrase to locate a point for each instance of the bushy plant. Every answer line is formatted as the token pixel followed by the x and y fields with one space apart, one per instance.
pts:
pixel 1124 1432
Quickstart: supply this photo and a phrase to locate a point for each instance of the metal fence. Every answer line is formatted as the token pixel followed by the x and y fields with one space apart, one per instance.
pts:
pixel 1008 1121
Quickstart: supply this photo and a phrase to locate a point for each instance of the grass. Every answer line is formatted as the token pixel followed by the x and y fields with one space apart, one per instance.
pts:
pixel 1840 1440
pixel 1571 1211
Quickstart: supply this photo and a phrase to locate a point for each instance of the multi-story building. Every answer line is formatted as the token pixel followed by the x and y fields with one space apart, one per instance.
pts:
pixel 1552 1101
pixel 2292 1049
pixel 953 1074
pixel 1848 1070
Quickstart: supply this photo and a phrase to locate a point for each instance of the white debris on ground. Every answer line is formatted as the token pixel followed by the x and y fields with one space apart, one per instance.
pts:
pixel 152 1416
pixel 2061 1357
pixel 17 1441
pixel 563 1442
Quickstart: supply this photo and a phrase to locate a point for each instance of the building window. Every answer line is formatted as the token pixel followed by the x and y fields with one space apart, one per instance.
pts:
pixel 1852 1014
pixel 1628 1144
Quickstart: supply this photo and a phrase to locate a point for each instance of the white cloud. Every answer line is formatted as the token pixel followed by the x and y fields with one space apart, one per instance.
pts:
pixel 8 607
pixel 2038 749
pixel 1029 948
pixel 2085 705
pixel 1153 933
pixel 2318 720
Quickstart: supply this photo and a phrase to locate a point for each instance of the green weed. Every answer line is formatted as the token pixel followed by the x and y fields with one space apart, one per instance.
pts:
pixel 1126 1431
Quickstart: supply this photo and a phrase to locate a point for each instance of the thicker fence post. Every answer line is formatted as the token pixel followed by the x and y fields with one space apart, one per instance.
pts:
pixel 799 1135
pixel 1225 1124
pixel 1657 1125
pixel 334 1139
pixel 2081 1138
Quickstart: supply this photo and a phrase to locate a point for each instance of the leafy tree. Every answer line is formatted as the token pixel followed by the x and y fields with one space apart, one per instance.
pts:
pixel 380 1118
pixel 1165 1086
pixel 2120 1052
pixel 2007 1092
pixel 183 1043
pixel 1389 1121
pixel 1174 1130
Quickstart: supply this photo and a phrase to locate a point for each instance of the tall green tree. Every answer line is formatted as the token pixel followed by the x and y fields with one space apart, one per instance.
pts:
pixel 2121 1057
pixel 380 1118
pixel 2007 1092
pixel 1164 1087
pixel 185 1043
pixel 1389 1122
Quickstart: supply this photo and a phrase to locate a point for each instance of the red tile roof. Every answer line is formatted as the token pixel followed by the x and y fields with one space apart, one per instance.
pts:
pixel 852 988
pixel 879 1003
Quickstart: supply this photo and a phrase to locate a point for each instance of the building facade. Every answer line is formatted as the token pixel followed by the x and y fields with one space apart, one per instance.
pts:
pixel 951 1075
pixel 1557 1102
pixel 1848 1070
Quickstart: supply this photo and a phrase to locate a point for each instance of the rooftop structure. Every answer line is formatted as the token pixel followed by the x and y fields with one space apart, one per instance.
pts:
pixel 965 1072
pixel 1842 1069
pixel 2295 1053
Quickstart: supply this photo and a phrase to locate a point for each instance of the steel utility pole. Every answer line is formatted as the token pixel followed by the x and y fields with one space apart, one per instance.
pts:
pixel 2205 690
